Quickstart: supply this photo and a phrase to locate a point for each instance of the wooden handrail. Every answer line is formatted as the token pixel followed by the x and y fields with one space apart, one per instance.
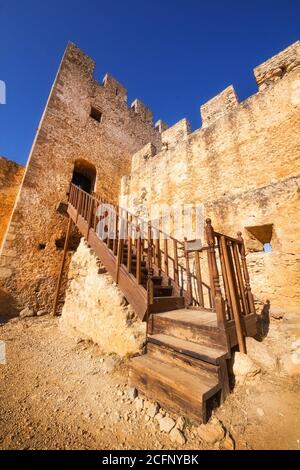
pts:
pixel 228 290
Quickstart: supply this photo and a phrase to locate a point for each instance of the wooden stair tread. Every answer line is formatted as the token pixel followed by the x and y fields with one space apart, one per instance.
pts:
pixel 196 387
pixel 169 297
pixel 199 317
pixel 210 354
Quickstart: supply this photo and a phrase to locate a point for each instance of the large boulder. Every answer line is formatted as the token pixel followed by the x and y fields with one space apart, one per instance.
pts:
pixel 244 368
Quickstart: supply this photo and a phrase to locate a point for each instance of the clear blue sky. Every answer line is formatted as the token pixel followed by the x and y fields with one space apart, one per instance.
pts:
pixel 172 54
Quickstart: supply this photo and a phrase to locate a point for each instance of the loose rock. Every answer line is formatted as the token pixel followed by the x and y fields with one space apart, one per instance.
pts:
pixel 132 393
pixel 177 436
pixel 166 424
pixel 41 313
pixel 139 404
pixel 26 312
pixel 211 432
pixel 227 443
pixel 180 423
pixel 153 410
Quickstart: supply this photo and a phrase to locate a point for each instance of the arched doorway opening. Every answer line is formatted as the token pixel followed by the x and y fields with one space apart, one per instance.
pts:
pixel 84 175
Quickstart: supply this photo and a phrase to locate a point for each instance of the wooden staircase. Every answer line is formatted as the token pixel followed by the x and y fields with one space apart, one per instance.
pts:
pixel 184 368
pixel 197 302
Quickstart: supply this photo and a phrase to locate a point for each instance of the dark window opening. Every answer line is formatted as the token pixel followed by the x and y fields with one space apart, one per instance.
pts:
pixel 41 246
pixel 82 181
pixel 259 238
pixel 96 114
pixel 60 243
pixel 84 175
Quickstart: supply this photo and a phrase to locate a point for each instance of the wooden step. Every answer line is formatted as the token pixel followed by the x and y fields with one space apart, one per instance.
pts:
pixel 157 280
pixel 198 326
pixel 195 366
pixel 163 291
pixel 173 387
pixel 210 354
pixel 165 304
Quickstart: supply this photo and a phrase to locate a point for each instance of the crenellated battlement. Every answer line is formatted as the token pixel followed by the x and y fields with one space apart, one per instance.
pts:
pixel 114 88
pixel 141 110
pixel 175 134
pixel 161 126
pixel 278 66
pixel 225 102
pixel 218 106
pixel 109 89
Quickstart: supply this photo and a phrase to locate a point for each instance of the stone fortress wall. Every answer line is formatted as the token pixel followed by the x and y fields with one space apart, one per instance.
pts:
pixel 243 165
pixel 11 174
pixel 69 133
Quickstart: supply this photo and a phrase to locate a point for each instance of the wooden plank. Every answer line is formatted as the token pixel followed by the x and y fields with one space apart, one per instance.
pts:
pixel 175 358
pixel 207 353
pixel 164 304
pixel 173 388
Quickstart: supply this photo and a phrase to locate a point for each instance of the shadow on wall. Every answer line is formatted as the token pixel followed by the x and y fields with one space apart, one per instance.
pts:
pixel 263 322
pixel 8 306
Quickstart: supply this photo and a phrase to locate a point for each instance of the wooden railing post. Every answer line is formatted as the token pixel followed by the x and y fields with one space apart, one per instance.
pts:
pixel 199 279
pixel 129 244
pixel 90 216
pixel 78 205
pixel 246 274
pixel 138 255
pixel 166 258
pixel 213 267
pixel 157 250
pixel 150 289
pixel 119 251
pixel 188 275
pixel 176 267
pixel 60 274
pixel 115 240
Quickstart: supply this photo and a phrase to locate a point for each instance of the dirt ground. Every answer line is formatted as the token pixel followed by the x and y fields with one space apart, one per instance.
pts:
pixel 57 393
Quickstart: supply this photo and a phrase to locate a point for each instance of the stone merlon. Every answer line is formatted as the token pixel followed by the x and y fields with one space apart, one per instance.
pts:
pixel 278 66
pixel 221 104
pixel 142 110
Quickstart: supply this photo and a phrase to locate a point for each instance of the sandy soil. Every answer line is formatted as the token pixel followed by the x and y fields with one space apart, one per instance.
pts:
pixel 59 394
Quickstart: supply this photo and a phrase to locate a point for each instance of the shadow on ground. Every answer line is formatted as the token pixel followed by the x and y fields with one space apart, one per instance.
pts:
pixel 8 306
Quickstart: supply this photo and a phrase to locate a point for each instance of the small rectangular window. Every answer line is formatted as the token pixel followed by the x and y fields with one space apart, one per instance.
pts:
pixel 96 114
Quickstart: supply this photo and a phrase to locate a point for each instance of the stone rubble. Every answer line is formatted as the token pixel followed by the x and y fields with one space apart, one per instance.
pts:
pixel 212 434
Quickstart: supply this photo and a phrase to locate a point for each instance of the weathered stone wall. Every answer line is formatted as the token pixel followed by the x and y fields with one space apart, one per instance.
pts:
pixel 11 174
pixel 95 308
pixel 30 257
pixel 243 165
